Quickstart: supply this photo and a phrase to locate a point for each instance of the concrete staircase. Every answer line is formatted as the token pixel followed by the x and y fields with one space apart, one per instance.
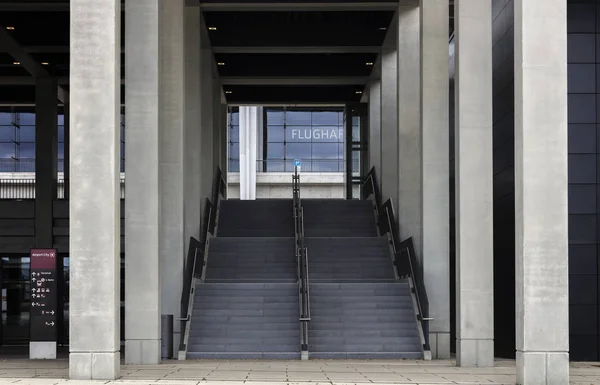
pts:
pixel 358 308
pixel 247 306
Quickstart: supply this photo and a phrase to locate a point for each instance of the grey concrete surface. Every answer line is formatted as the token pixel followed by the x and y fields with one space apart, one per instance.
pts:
pixel 541 198
pixel 142 265
pixel 95 189
pixel 408 205
pixel 474 191
pixel 247 372
pixel 207 100
pixel 435 173
pixel 375 126
pixel 171 123
pixel 388 174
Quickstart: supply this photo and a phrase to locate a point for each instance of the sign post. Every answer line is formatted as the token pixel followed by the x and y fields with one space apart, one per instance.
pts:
pixel 297 165
pixel 43 309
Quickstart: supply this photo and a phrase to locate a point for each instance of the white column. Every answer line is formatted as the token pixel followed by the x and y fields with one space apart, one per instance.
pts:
pixel 435 168
pixel 248 123
pixel 171 123
pixel 375 126
pixel 541 192
pixel 474 209
pixel 142 273
pixel 193 136
pixel 95 85
pixel 389 115
pixel 409 126
pixel 207 122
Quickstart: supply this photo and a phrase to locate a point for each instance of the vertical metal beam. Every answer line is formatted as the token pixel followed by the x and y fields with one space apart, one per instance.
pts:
pixel 348 147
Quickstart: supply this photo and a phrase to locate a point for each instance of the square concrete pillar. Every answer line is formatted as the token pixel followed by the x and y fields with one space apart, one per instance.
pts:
pixel 207 101
pixel 408 211
pixel 375 126
pixel 389 173
pixel 142 195
pixel 171 154
pixel 250 120
pixel 435 168
pixel 474 193
pixel 541 192
pixel 95 88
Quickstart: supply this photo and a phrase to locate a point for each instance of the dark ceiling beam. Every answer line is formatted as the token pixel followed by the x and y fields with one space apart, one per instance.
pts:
pixel 299 7
pixel 298 50
pixel 12 47
pixel 293 80
pixel 19 6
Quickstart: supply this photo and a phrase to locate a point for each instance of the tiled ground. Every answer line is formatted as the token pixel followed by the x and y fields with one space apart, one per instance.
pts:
pixel 286 372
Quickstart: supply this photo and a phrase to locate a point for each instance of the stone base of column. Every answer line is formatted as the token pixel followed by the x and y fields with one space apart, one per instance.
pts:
pixel 475 353
pixel 440 345
pixel 94 366
pixel 547 368
pixel 142 352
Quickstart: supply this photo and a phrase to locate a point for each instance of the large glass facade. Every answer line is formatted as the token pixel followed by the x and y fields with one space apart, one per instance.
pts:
pixel 17 140
pixel 314 135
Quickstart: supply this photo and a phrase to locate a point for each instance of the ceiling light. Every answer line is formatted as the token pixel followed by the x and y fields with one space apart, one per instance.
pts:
pixel 220 63
pixel 358 92
pixel 212 28
pixel 16 63
pixel 45 63
pixel 228 92
pixel 369 63
pixel 382 28
pixel 10 28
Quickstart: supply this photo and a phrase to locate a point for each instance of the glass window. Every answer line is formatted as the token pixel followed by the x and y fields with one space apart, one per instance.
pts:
pixel 325 118
pixel 6 118
pixel 275 134
pixel 234 133
pixel 235 118
pixel 275 117
pixel 328 134
pixel 276 166
pixel 7 133
pixel 27 134
pixel 7 150
pixel 298 151
pixel 275 151
pixel 324 151
pixel 61 134
pixel 61 120
pixel 298 118
pixel 26 119
pixel 27 150
pixel 234 151
pixel 122 150
pixel 298 133
pixel 61 150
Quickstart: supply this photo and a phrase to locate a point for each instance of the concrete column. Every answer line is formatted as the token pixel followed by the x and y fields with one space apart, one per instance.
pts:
pixel 250 118
pixel 95 88
pixel 541 192
pixel 474 209
pixel 223 145
pixel 46 160
pixel 375 126
pixel 389 172
pixel 142 193
pixel 435 172
pixel 193 139
pixel 207 124
pixel 66 147
pixel 409 126
pixel 171 136
pixel 216 123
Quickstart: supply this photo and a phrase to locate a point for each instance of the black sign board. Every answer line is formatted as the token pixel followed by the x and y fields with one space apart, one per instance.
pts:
pixel 43 295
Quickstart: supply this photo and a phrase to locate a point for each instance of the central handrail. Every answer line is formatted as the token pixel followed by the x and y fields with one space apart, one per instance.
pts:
pixel 301 254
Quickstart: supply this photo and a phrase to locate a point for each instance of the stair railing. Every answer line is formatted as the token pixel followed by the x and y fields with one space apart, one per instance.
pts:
pixel 195 267
pixel 405 259
pixel 301 254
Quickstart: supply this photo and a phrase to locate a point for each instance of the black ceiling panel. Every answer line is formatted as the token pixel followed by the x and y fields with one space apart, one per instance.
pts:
pixel 293 94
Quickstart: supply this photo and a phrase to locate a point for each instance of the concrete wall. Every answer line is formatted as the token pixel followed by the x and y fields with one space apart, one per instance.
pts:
pixel 279 185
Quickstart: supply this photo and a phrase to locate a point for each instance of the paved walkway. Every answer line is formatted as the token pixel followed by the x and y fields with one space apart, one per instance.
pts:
pixel 339 372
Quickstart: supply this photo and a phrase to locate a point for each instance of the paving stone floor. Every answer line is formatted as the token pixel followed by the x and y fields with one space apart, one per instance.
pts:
pixel 314 372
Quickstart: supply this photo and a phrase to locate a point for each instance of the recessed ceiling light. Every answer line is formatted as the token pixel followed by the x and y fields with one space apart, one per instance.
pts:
pixel 359 92
pixel 45 63
pixel 369 63
pixel 220 63
pixel 228 92
pixel 16 63
pixel 212 28
pixel 382 28
pixel 10 28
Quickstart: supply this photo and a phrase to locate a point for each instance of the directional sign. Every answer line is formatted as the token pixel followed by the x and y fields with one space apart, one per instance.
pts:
pixel 43 310
pixel 297 163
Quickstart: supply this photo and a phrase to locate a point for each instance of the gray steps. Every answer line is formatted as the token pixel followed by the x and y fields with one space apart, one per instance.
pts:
pixel 258 259
pixel 245 320
pixel 258 218
pixel 339 218
pixel 332 259
pixel 363 320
